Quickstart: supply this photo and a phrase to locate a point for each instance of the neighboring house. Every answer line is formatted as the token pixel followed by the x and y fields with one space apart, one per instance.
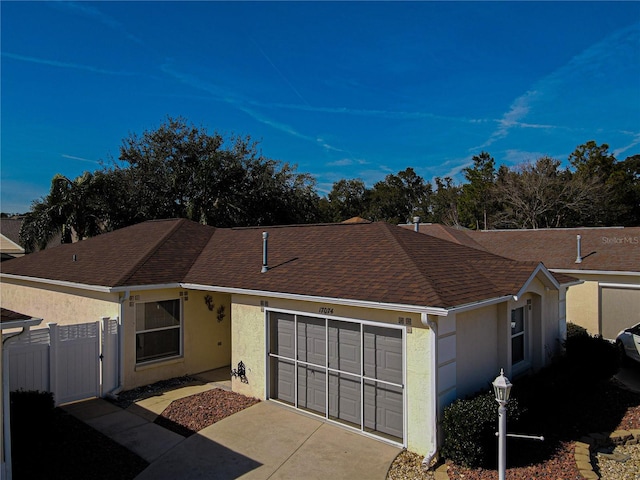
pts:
pixel 368 325
pixel 10 238
pixel 607 260
pixel 9 320
pixel 10 245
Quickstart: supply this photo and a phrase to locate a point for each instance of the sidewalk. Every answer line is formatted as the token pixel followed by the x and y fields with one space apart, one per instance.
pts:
pixel 133 427
pixel 264 441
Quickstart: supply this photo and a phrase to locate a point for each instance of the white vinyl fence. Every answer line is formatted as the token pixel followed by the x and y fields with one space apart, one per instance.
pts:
pixel 74 362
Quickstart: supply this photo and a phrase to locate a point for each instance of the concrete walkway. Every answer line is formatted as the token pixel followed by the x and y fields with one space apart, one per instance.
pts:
pixel 264 441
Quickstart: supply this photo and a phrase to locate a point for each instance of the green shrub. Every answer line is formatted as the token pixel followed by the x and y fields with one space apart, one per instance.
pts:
pixel 469 428
pixel 591 357
pixel 574 330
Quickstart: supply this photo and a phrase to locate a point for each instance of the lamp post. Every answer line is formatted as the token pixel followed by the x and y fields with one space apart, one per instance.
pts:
pixel 502 389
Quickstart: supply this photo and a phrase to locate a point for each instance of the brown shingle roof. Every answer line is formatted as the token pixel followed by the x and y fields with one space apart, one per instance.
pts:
pixel 154 252
pixel 603 249
pixel 10 228
pixel 373 262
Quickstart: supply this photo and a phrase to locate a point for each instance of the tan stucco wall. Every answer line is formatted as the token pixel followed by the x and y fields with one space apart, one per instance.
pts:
pixel 8 246
pixel 421 399
pixel 553 330
pixel 583 307
pixel 477 349
pixel 483 339
pixel 249 346
pixel 206 342
pixel 57 304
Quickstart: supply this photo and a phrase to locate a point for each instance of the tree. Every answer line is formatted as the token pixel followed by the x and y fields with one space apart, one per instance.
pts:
pixel 445 202
pixel 399 197
pixel 477 199
pixel 179 170
pixel 625 183
pixel 620 202
pixel 589 159
pixel 347 199
pixel 541 195
pixel 72 209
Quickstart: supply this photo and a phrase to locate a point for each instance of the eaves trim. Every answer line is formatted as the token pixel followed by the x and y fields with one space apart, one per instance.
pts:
pixel 480 304
pixel 26 322
pixel 60 283
pixel 85 286
pixel 539 269
pixel 311 298
pixel 595 272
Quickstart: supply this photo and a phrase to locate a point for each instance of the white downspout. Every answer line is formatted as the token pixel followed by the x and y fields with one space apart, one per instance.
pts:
pixel 114 393
pixel 434 389
pixel 6 399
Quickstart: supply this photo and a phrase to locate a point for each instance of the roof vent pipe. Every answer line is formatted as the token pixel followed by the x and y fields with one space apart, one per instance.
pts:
pixel 579 257
pixel 265 236
pixel 416 224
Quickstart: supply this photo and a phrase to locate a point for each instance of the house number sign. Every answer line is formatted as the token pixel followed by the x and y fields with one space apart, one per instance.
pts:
pixel 326 310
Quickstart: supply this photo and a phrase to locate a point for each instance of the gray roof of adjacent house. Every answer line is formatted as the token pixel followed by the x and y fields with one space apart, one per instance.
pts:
pixel 373 262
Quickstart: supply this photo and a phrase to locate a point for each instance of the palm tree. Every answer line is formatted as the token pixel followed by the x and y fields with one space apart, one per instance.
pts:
pixel 72 209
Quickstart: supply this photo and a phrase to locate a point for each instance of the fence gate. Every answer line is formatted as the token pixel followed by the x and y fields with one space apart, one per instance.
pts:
pixel 75 361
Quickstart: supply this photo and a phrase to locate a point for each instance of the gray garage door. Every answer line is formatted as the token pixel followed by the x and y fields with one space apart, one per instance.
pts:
pixel 619 309
pixel 346 371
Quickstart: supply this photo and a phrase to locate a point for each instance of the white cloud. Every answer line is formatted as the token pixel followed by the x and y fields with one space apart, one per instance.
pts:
pixel 80 159
pixel 59 64
pixel 635 140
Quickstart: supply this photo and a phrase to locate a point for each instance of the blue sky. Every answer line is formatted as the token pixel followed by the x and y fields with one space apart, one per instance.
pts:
pixel 343 90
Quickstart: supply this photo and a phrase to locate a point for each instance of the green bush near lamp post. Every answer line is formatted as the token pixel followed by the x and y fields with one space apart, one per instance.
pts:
pixel 469 427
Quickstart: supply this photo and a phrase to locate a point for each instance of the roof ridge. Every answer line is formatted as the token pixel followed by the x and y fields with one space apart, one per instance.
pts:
pixel 424 276
pixel 179 221
pixel 302 225
pixel 197 257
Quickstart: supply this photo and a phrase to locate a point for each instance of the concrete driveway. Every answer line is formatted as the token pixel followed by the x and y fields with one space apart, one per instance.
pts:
pixel 268 441
pixel 264 441
pixel 629 375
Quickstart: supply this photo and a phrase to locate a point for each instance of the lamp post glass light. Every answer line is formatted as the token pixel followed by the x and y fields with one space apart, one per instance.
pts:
pixel 502 390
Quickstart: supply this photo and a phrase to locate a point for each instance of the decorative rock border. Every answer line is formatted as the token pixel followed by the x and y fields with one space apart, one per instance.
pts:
pixel 584 446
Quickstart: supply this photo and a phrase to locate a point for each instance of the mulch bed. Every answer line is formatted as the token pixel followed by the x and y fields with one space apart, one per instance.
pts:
pixel 191 414
pixel 126 398
pixel 595 408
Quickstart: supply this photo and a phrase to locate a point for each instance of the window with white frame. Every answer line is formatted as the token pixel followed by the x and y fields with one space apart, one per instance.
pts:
pixel 518 335
pixel 158 330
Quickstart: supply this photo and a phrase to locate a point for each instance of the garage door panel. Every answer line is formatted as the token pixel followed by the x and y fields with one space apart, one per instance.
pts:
pixel 344 346
pixel 311 389
pixel 311 340
pixel 282 380
pixel 282 338
pixel 344 398
pixel 383 354
pixel 620 309
pixel 383 406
